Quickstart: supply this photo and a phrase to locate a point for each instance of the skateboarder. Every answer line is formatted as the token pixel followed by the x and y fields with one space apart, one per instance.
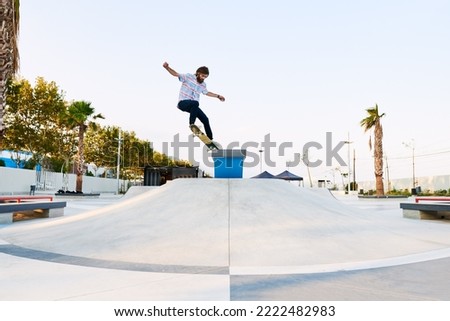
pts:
pixel 191 88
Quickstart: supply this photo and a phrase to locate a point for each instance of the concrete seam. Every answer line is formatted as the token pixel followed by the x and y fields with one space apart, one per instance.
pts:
pixel 229 223
pixel 229 238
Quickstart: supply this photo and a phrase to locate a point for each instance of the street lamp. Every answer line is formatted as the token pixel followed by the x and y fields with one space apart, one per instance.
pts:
pixel 412 146
pixel 354 170
pixel 260 160
pixel 348 159
pixel 118 162
pixel 305 160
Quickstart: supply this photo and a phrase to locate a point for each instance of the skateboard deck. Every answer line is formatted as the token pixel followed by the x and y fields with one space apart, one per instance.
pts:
pixel 205 139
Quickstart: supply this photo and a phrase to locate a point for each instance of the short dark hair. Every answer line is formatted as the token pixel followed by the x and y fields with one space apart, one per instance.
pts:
pixel 202 70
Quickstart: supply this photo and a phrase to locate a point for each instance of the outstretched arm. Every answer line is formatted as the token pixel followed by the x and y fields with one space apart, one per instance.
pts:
pixel 170 70
pixel 211 94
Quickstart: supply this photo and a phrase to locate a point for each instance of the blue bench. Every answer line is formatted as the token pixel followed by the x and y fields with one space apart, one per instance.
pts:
pixel 40 209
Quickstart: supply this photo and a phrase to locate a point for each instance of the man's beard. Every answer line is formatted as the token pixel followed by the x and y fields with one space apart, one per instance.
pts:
pixel 199 80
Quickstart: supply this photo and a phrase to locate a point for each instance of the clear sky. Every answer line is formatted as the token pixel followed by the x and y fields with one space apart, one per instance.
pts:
pixel 292 69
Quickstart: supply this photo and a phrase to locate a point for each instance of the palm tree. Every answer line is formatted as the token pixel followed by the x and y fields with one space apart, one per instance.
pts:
pixel 80 116
pixel 373 120
pixel 9 50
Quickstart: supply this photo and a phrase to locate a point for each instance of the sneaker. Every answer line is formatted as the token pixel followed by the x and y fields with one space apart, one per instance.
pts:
pixel 217 144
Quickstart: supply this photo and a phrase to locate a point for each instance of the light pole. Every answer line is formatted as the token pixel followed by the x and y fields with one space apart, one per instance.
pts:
pixel 305 160
pixel 260 160
pixel 118 163
pixel 354 170
pixel 387 174
pixel 348 165
pixel 412 146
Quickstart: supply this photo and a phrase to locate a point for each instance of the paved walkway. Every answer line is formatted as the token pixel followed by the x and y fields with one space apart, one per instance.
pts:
pixel 246 240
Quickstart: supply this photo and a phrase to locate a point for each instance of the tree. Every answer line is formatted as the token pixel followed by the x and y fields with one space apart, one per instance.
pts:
pixel 101 146
pixel 81 115
pixel 33 117
pixel 9 50
pixel 373 121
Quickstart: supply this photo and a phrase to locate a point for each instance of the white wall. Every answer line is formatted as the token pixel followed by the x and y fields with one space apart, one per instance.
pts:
pixel 18 181
pixel 14 180
pixel 432 183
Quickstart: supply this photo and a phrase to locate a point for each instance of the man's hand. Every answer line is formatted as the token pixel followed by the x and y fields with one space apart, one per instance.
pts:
pixel 221 98
pixel 170 70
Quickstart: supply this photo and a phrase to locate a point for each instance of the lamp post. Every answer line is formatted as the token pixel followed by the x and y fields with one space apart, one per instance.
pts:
pixel 387 174
pixel 118 162
pixel 348 165
pixel 305 159
pixel 412 146
pixel 354 170
pixel 260 160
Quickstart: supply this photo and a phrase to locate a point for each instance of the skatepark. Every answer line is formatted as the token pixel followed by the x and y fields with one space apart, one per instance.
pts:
pixel 226 239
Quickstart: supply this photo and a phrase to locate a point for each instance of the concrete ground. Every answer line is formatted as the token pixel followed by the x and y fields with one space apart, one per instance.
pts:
pixel 220 240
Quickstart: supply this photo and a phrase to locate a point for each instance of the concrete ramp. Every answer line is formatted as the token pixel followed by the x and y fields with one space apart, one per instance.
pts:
pixel 243 226
pixel 137 190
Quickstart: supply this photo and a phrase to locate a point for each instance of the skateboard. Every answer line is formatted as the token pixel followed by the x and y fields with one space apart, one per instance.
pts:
pixel 205 139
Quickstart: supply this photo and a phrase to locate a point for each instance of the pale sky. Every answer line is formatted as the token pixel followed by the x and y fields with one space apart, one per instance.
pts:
pixel 292 69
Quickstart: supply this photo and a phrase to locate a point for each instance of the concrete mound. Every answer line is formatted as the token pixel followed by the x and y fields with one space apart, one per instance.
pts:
pixel 137 190
pixel 247 225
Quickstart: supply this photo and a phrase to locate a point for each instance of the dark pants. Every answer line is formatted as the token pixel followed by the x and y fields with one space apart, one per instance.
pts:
pixel 192 107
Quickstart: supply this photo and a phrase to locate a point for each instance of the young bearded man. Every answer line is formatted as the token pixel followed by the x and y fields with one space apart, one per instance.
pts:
pixel 189 98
